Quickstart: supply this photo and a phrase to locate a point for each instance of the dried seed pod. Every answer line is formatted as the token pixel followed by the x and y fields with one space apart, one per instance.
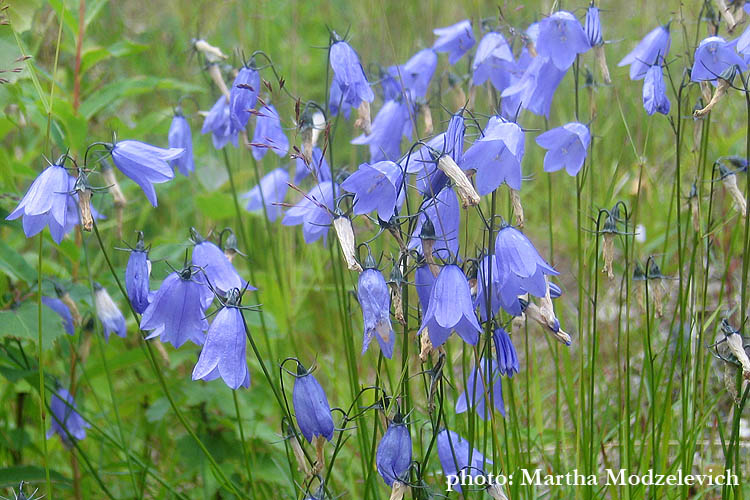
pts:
pixel 345 234
pixel 464 188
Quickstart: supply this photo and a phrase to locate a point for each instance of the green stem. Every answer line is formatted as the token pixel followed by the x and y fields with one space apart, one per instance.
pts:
pixel 42 398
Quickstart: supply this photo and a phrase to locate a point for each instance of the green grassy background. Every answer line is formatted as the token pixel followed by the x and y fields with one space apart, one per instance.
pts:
pixel 136 63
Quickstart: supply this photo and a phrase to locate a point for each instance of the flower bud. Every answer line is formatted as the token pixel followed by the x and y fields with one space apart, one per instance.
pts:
pixel 464 188
pixel 345 234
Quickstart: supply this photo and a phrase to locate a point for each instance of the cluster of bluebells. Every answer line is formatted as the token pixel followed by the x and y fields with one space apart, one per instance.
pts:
pixel 470 292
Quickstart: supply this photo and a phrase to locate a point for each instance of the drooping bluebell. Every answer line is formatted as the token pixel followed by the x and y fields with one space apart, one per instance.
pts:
pixel 48 202
pixel 505 352
pixel 566 147
pixel 714 56
pixel 66 422
pixel 655 91
pixel 311 406
pixel 536 88
pixel 218 123
pixel 223 354
pixel 414 75
pixel 242 98
pixel 450 308
pixel 444 213
pixel 268 133
pixel 375 300
pixel 519 261
pixel 314 212
pixel 63 311
pixel 271 192
pixel 491 61
pixel 652 49
pixel 390 124
pixel 477 396
pixel 180 137
pixel 456 40
pixel 496 156
pixel 145 164
pixel 377 186
pixel 109 314
pixel 137 275
pixel 349 83
pixel 177 312
pixel 217 268
pixel 393 456
pixel 454 452
pixel 561 38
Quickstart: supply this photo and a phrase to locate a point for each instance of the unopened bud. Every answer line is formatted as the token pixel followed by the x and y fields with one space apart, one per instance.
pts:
pixel 467 193
pixel 345 234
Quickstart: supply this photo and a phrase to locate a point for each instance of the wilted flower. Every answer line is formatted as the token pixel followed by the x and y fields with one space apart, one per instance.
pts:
pixel 311 407
pixel 566 147
pixel 145 164
pixel 520 263
pixel 66 421
pixel 496 156
pixel 180 137
pixel 393 456
pixel 377 186
pixel 454 452
pixel 217 268
pixel 490 61
pixel 317 164
pixel 345 234
pixel 451 308
pixel 391 123
pixel 475 396
pixel 177 312
pixel 653 49
pixel 444 214
pixel 48 202
pixel 268 133
pixel 729 180
pixel 456 40
pixel 242 98
pixel 507 358
pixel 63 311
pixel 655 91
pixel 112 319
pixel 349 82
pixel 223 354
pixel 270 192
pixel 219 124
pixel 314 212
pixel 714 56
pixel 536 88
pixel 375 300
pixel 137 276
pixel 561 38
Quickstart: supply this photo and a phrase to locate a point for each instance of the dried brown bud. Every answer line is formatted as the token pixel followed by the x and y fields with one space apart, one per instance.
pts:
pixel 608 254
pixel 730 184
pixel 398 490
pixel 719 93
pixel 726 13
pixel 398 305
pixel 211 53
pixel 425 345
pixel 515 199
pixel 734 342
pixel 601 59
pixel 84 207
pixel 215 73
pixel 427 119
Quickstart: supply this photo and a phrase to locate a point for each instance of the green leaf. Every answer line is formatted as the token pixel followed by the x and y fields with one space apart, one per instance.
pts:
pixel 15 266
pixel 122 48
pixel 21 14
pixel 116 91
pixel 22 322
